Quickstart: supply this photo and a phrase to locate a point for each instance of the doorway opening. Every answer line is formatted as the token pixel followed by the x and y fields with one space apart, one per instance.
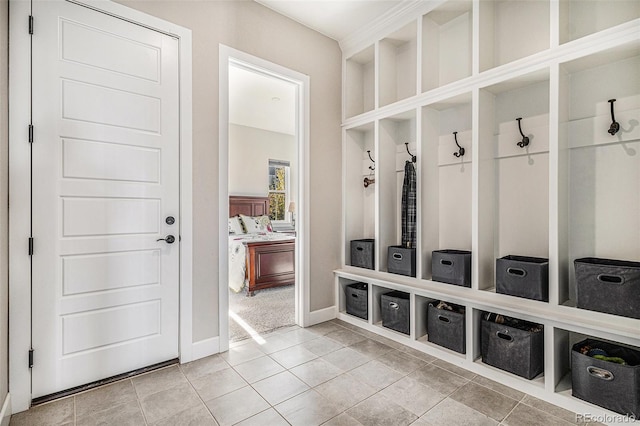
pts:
pixel 263 188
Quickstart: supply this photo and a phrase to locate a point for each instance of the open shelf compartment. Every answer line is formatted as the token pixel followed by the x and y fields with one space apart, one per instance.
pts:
pixel 446 44
pixel 446 178
pixel 511 30
pixel 579 18
pixel 398 65
pixel 394 132
pixel 599 173
pixel 359 199
pixel 513 185
pixel 360 82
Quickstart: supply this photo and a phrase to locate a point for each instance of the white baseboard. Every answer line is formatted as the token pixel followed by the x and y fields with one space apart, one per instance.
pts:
pixel 5 414
pixel 321 315
pixel 205 347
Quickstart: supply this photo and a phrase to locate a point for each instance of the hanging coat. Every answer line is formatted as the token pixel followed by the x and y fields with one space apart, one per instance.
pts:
pixel 409 206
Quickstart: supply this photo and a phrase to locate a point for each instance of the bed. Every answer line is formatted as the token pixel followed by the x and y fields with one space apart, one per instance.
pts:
pixel 262 259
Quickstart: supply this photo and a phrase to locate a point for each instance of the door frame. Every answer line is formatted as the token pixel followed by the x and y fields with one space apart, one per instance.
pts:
pixel 20 195
pixel 228 55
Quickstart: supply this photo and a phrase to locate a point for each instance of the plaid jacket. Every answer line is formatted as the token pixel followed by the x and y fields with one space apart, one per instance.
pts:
pixel 409 206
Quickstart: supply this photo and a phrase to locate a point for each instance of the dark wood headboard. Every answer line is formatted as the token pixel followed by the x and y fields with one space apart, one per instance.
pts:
pixel 249 206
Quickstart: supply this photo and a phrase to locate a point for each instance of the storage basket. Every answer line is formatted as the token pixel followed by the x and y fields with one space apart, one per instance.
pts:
pixel 523 276
pixel 610 385
pixel 363 253
pixel 395 311
pixel 512 349
pixel 401 260
pixel 446 328
pixel 610 286
pixel 451 267
pixel 356 300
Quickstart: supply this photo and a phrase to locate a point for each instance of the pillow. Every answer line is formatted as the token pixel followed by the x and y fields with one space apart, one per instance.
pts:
pixel 235 225
pixel 255 224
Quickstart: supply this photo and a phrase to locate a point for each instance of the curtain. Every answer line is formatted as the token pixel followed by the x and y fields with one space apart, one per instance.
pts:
pixel 409 206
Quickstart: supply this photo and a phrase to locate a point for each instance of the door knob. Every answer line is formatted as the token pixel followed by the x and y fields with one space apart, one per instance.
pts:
pixel 170 239
pixel 170 220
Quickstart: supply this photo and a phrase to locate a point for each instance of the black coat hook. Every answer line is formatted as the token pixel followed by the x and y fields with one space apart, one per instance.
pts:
pixel 615 126
pixel 372 168
pixel 413 157
pixel 460 152
pixel 525 140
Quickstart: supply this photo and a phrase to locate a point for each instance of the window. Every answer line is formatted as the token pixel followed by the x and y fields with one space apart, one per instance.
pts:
pixel 278 190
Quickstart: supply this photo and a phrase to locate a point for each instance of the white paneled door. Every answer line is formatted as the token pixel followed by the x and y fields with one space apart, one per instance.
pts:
pixel 105 170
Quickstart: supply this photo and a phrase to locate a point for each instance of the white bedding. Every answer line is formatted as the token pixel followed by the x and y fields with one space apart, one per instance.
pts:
pixel 238 253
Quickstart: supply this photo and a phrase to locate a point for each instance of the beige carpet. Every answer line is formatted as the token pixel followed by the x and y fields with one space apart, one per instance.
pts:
pixel 266 311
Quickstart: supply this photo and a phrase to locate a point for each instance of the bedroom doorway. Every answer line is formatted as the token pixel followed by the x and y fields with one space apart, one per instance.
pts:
pixel 263 146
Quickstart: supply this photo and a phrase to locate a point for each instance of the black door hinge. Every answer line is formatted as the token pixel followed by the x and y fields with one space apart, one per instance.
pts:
pixel 30 133
pixel 30 246
pixel 30 24
pixel 30 358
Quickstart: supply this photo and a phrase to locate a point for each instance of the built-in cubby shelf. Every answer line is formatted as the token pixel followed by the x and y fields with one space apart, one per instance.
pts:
pixel 446 44
pixel 526 87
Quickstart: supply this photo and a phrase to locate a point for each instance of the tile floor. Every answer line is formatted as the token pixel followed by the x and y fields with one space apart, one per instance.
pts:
pixel 329 374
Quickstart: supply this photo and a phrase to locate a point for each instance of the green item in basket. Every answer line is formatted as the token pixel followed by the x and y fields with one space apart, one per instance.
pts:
pixel 615 359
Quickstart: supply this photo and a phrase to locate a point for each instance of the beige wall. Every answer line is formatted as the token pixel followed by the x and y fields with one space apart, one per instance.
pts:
pixel 252 28
pixel 4 199
pixel 250 150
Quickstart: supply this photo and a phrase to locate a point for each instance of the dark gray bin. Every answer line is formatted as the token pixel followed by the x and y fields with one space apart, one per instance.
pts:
pixel 523 276
pixel 401 260
pixel 363 253
pixel 511 349
pixel 446 328
pixel 451 267
pixel 356 300
pixel 610 385
pixel 610 286
pixel 395 311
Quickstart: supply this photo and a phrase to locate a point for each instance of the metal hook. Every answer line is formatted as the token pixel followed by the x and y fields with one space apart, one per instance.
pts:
pixel 413 157
pixel 525 140
pixel 460 152
pixel 372 168
pixel 615 126
pixel 369 181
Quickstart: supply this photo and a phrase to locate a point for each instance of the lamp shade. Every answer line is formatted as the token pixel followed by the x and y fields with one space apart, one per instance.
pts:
pixel 292 207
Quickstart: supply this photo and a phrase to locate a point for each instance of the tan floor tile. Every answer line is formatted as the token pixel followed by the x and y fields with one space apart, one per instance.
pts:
pixel 321 346
pixel 342 420
pixel 379 411
pixel 104 398
pixel 280 387
pixel 345 391
pixel 237 406
pixel 293 356
pixel 346 337
pixel 324 328
pixel 437 378
pixel 53 413
pixel 484 400
pixel 195 416
pixel 453 413
pixel 371 348
pixel 346 359
pixel 127 414
pixel 524 415
pixel 412 395
pixel 500 388
pixel 166 403
pixel 240 354
pixel 217 384
pixel 258 369
pixel 307 409
pixel 204 366
pixel 401 362
pixel 376 374
pixel 157 381
pixel 268 417
pixel 469 375
pixel 315 372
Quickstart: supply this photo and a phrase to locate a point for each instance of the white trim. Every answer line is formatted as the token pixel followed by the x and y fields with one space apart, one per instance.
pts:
pixel 322 315
pixel 19 297
pixel 229 55
pixel 205 347
pixel 5 414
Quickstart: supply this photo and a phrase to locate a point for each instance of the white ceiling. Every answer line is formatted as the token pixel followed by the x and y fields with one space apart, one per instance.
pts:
pixel 337 19
pixel 261 101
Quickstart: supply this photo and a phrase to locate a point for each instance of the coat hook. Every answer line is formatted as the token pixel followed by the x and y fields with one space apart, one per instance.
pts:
pixel 460 152
pixel 615 126
pixel 372 168
pixel 369 181
pixel 525 140
pixel 413 157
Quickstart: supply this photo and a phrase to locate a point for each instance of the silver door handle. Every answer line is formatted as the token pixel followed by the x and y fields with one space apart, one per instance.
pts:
pixel 169 239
